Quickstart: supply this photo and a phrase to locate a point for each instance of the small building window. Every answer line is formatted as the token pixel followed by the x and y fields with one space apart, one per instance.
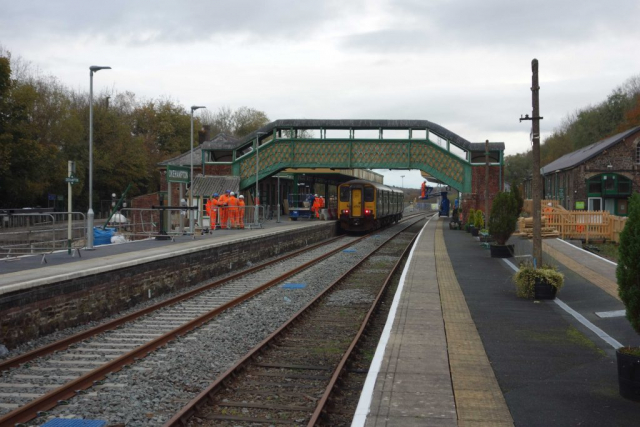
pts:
pixel 595 187
pixel 609 183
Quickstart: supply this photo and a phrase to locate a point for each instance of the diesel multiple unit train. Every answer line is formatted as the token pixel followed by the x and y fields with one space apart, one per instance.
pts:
pixel 365 205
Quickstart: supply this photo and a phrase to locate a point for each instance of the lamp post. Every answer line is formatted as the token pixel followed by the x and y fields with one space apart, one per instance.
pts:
pixel 90 214
pixel 191 219
pixel 256 214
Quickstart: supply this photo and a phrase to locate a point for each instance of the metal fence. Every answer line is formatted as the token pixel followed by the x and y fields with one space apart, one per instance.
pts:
pixel 33 233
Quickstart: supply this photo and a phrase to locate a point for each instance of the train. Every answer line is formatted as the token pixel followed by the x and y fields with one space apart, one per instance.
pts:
pixel 365 205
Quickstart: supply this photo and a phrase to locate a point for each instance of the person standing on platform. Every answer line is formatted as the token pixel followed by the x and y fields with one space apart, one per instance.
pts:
pixel 316 206
pixel 241 206
pixel 233 210
pixel 223 201
pixel 209 210
pixel 214 211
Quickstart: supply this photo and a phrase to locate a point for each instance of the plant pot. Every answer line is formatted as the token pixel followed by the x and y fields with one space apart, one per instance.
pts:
pixel 544 290
pixel 467 228
pixel 474 232
pixel 628 375
pixel 501 251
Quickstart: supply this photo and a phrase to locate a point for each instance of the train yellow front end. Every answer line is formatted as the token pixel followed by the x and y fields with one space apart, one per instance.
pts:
pixel 364 205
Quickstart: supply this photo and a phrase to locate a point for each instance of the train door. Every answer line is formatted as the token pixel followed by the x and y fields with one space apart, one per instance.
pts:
pixel 356 202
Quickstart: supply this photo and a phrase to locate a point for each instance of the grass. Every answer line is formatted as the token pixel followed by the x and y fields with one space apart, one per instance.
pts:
pixel 571 335
pixel 608 250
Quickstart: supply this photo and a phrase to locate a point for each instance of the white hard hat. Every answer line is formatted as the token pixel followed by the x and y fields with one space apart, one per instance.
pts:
pixel 315 195
pixel 233 194
pixel 241 197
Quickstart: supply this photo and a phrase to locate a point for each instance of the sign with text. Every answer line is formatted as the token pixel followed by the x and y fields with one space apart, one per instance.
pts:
pixel 579 205
pixel 178 174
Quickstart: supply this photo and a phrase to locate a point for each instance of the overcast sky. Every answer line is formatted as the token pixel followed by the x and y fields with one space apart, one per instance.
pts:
pixel 463 64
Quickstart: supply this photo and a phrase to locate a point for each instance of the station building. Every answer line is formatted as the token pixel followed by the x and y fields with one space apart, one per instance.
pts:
pixel 600 176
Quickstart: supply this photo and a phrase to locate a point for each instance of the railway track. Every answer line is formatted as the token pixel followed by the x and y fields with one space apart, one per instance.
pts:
pixel 288 379
pixel 57 372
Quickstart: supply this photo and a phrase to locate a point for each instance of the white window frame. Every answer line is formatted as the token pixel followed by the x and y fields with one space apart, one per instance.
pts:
pixel 590 203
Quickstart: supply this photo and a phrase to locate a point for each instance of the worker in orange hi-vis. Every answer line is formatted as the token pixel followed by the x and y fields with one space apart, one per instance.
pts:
pixel 209 209
pixel 314 205
pixel 233 210
pixel 214 212
pixel 241 206
pixel 223 201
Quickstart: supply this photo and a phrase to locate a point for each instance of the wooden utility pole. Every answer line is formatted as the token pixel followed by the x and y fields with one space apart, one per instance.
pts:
pixel 537 185
pixel 486 183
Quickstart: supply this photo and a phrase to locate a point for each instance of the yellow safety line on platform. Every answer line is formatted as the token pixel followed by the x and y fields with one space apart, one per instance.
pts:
pixel 597 279
pixel 479 400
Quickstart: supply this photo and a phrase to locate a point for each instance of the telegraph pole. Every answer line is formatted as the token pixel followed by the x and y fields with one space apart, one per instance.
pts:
pixel 536 181
pixel 486 183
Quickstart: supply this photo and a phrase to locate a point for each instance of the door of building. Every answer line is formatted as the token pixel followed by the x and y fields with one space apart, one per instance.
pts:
pixel 595 204
pixel 610 206
pixel 622 207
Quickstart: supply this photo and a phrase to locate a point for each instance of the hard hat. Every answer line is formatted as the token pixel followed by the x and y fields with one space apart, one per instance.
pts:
pixel 233 194
pixel 215 194
pixel 227 191
pixel 315 195
pixel 241 197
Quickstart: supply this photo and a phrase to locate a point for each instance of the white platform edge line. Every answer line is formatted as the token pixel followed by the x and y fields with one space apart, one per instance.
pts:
pixel 362 410
pixel 580 318
pixel 590 253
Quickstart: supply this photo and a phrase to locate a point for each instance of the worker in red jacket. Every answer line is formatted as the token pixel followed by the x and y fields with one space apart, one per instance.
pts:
pixel 241 206
pixel 232 202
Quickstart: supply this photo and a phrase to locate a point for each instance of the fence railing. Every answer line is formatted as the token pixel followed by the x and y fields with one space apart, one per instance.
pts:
pixel 528 205
pixel 579 224
pixel 42 232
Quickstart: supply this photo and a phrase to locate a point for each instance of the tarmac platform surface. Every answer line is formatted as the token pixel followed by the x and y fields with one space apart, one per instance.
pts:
pixel 463 350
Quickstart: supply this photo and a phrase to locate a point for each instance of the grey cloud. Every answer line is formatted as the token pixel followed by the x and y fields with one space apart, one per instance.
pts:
pixel 147 22
pixel 419 25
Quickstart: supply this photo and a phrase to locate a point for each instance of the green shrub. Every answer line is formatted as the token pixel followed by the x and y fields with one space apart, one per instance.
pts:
pixel 471 217
pixel 478 221
pixel 628 270
pixel 525 279
pixel 504 215
pixel 515 192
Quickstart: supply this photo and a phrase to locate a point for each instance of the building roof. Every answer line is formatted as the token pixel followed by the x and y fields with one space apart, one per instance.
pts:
pixel 571 160
pixel 205 186
pixel 493 146
pixel 184 159
pixel 222 141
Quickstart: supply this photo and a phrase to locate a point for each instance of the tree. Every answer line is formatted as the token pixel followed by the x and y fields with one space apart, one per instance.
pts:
pixel 628 270
pixel 504 214
pixel 237 123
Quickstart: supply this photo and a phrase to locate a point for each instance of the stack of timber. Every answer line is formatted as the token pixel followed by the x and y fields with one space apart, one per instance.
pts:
pixel 525 227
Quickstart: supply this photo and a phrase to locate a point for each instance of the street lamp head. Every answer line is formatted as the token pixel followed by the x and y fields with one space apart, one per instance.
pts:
pixel 95 68
pixel 197 107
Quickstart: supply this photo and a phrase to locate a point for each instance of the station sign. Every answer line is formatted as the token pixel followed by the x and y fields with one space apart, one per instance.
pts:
pixel 71 180
pixel 178 174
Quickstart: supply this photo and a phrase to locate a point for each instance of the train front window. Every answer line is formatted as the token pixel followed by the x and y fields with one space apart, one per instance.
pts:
pixel 368 194
pixel 344 194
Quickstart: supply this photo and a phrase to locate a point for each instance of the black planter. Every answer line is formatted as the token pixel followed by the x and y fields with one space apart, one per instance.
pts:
pixel 544 290
pixel 501 251
pixel 467 228
pixel 474 232
pixel 628 375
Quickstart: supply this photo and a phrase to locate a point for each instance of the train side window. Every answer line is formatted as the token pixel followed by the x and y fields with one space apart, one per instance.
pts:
pixel 344 193
pixel 368 194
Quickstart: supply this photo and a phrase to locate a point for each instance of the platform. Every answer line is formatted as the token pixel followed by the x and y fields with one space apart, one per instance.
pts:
pixel 28 271
pixel 461 349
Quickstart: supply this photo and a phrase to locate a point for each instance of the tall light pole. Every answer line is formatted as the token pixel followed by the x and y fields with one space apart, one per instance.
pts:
pixel 191 219
pixel 90 214
pixel 256 216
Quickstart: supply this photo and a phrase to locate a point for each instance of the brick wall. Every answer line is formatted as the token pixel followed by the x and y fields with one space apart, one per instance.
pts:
pixel 475 199
pixel 28 314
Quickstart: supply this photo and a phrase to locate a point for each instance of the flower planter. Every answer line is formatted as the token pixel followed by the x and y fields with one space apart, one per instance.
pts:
pixel 467 228
pixel 628 375
pixel 544 290
pixel 474 232
pixel 501 251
